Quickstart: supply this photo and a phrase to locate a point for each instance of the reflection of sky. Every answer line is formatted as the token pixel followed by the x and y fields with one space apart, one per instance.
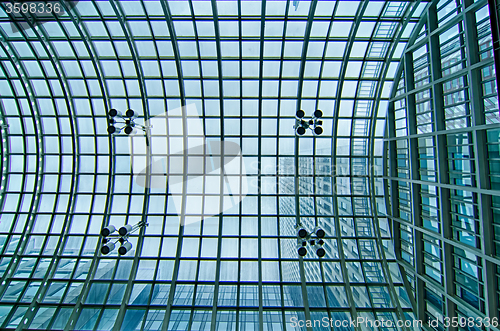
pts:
pixel 66 175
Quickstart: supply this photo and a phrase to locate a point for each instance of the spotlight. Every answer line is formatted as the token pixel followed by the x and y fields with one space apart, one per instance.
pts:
pixel 320 251
pixel 125 229
pixel 107 248
pixel 124 248
pixel 108 230
pixel 129 129
pixel 318 130
pixel 302 251
pixel 318 113
pixel 113 112
pixel 320 233
pixel 313 123
pixel 128 118
pixel 131 114
pixel 124 232
pixel 302 233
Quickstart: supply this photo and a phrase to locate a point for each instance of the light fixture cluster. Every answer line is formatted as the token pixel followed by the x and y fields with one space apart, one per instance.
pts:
pixel 315 239
pixel 314 124
pixel 109 241
pixel 127 119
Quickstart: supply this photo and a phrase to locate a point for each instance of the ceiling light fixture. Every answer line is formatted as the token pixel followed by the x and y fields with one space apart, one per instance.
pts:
pixel 314 124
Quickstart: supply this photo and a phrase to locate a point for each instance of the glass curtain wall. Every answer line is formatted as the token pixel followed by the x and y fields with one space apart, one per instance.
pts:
pixel 247 66
pixel 443 163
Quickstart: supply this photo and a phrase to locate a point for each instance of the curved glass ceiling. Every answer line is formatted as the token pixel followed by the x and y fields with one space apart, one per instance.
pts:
pixel 246 67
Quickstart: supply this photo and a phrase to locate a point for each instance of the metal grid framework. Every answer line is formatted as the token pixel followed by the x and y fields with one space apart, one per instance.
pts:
pixel 443 164
pixel 247 66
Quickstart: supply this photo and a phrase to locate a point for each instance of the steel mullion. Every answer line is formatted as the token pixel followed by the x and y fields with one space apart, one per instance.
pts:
pixel 138 250
pixel 155 282
pixel 448 186
pixel 449 77
pixel 196 277
pixel 43 289
pixel 340 247
pixel 259 170
pixel 7 171
pixel 452 242
pixel 221 187
pixel 297 163
pixel 37 186
pixel 175 273
pixel 450 297
pixel 321 266
pixel 385 267
pixel 482 169
pixel 452 131
pixel 446 25
pixel 440 142
pixel 494 11
pixel 98 69
pixel 415 187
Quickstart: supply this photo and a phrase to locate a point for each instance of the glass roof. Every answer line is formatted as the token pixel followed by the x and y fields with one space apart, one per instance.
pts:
pixel 245 67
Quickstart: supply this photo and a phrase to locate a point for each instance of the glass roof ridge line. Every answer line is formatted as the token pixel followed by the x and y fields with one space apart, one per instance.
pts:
pixel 182 94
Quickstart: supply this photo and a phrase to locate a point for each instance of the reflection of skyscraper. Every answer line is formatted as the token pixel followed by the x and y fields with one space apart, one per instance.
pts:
pixel 315 196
